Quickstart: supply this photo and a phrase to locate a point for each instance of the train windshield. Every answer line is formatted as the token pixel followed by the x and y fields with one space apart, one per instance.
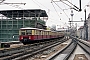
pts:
pixel 22 33
pixel 29 32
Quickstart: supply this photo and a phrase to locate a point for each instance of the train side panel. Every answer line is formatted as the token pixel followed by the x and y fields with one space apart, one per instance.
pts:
pixel 30 35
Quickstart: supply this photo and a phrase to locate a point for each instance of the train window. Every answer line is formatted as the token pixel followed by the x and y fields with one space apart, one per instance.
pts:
pixel 43 33
pixel 39 32
pixel 22 33
pixel 33 32
pixel 48 33
pixel 29 32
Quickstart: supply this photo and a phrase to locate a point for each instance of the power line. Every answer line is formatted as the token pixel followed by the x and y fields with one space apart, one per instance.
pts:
pixel 36 3
pixel 45 7
pixel 55 10
pixel 62 10
pixel 48 8
pixel 86 5
pixel 42 4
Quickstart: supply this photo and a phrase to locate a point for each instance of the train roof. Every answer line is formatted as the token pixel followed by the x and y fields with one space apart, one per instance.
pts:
pixel 41 29
pixel 28 28
pixel 53 31
pixel 47 30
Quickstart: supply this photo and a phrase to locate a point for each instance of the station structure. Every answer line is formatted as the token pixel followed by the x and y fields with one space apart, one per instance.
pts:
pixel 82 30
pixel 12 20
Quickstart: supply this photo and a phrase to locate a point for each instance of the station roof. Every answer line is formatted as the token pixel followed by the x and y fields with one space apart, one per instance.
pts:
pixel 24 13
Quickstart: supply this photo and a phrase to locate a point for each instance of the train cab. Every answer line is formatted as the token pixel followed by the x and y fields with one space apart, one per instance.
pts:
pixel 26 35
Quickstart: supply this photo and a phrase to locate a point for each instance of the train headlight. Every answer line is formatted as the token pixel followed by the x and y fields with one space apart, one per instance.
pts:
pixel 29 37
pixel 21 37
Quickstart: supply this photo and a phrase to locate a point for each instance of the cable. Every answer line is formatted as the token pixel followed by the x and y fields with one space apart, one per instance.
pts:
pixel 36 3
pixel 2 1
pixel 86 5
pixel 62 10
pixel 73 4
pixel 48 8
pixel 45 7
pixel 42 4
pixel 55 10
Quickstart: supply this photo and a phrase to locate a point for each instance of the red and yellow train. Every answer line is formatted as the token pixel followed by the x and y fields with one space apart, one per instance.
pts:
pixel 30 35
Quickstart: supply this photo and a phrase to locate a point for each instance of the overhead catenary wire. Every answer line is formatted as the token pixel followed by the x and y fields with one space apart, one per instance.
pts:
pixel 48 8
pixel 36 3
pixel 62 10
pixel 70 6
pixel 73 4
pixel 1 1
pixel 86 5
pixel 42 4
pixel 55 10
pixel 17 6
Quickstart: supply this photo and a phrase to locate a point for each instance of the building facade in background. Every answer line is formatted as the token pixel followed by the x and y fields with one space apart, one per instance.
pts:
pixel 12 20
pixel 82 30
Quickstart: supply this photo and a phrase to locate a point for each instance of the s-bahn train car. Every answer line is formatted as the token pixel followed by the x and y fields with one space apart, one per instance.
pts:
pixel 30 35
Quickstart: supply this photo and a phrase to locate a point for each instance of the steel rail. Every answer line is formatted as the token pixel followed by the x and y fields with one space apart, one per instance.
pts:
pixel 39 50
pixel 85 47
pixel 70 48
pixel 20 54
pixel 10 51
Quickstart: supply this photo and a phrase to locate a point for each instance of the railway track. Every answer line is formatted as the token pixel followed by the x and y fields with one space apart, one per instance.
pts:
pixel 65 53
pixel 28 50
pixel 83 50
pixel 84 46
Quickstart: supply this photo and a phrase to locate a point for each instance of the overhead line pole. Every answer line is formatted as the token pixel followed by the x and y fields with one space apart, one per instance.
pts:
pixel 86 27
pixel 80 6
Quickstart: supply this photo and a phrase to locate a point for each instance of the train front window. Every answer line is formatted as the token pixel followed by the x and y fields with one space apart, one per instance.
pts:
pixel 22 33
pixel 29 32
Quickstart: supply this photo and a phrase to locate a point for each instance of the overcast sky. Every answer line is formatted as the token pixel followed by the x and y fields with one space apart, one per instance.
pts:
pixel 58 12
